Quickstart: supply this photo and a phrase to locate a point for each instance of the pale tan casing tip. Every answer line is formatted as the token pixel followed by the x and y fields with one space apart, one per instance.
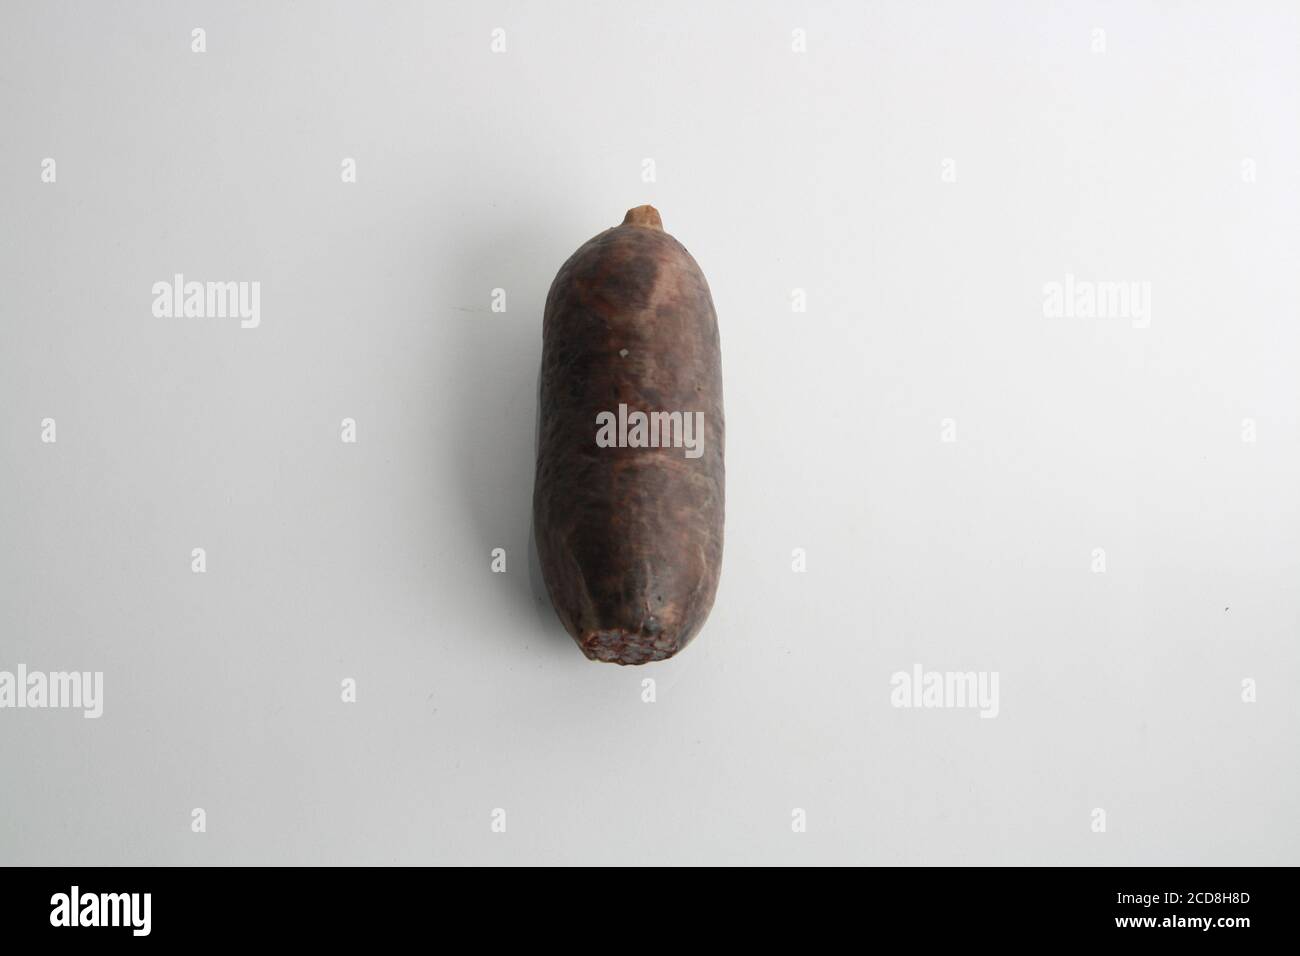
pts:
pixel 647 216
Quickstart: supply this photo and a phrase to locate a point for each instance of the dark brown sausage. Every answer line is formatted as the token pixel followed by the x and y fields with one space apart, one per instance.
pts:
pixel 630 537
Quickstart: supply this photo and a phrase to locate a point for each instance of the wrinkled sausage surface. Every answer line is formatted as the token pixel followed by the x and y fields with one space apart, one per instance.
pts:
pixel 629 538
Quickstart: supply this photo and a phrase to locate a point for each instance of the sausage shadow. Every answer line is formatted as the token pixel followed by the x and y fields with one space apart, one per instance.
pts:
pixel 498 371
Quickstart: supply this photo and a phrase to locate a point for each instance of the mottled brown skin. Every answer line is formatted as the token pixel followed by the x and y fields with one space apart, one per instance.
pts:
pixel 629 539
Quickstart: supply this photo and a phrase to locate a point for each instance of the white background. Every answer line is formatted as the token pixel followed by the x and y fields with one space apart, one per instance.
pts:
pixel 821 171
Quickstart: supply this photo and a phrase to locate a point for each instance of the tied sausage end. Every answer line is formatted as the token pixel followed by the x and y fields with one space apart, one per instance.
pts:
pixel 620 646
pixel 647 216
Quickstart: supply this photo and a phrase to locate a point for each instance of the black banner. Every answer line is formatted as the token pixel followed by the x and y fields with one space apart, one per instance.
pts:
pixel 1170 906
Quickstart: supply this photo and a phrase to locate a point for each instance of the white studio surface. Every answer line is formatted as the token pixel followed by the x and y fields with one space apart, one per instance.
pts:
pixel 949 450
